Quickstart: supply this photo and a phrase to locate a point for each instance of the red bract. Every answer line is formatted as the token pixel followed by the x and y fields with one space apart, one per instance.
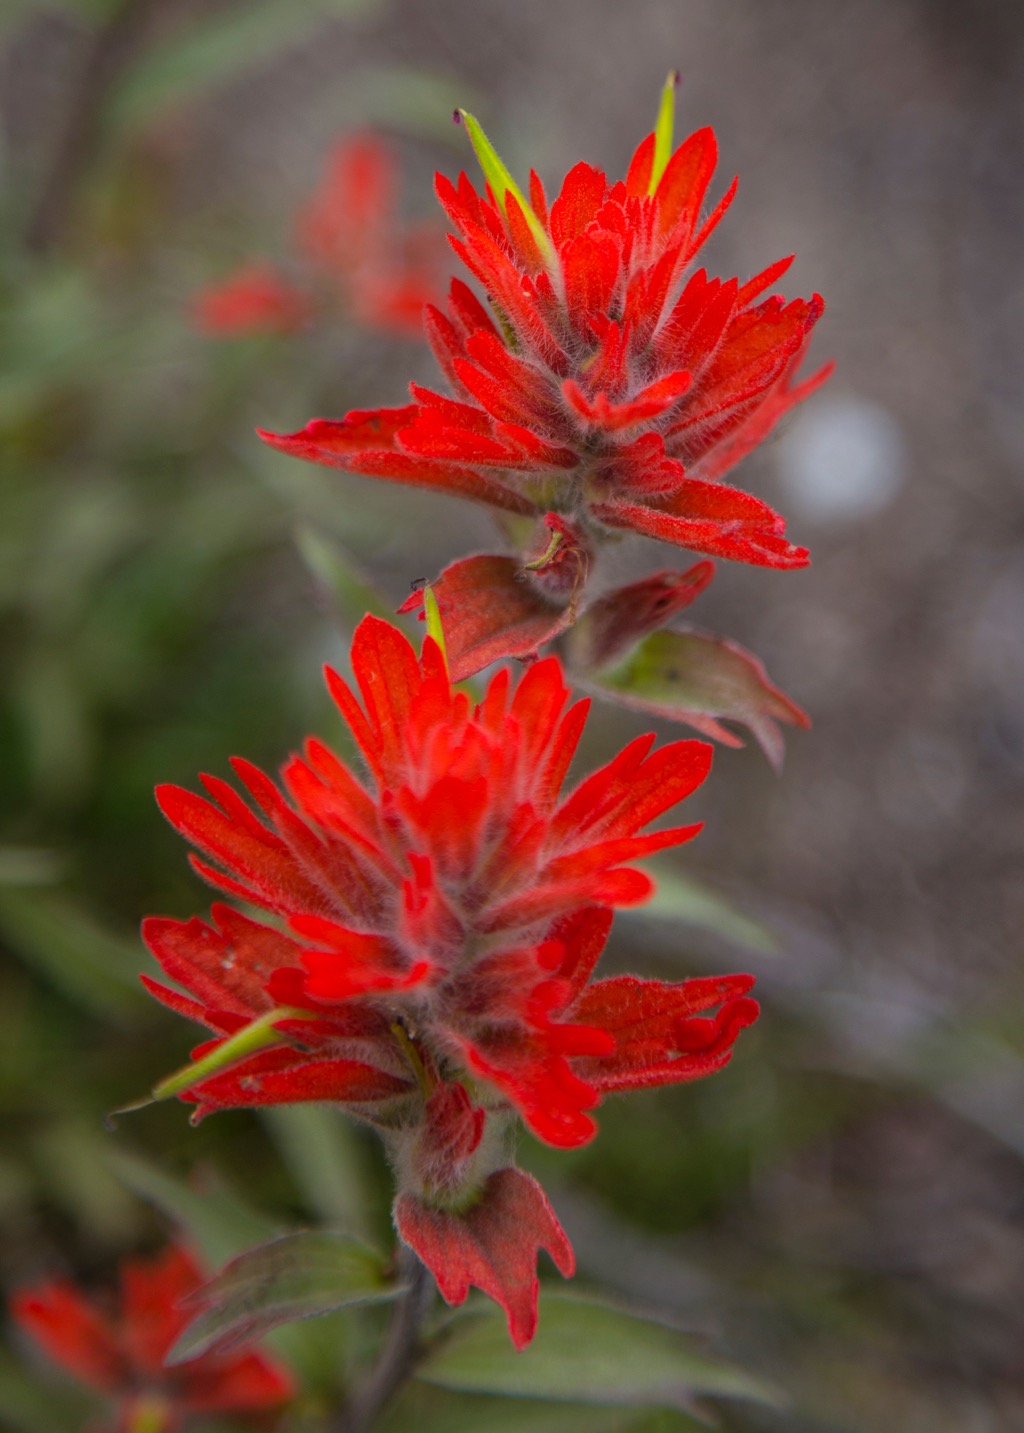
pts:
pixel 608 382
pixel 351 247
pixel 436 930
pixel 491 1246
pixel 121 1354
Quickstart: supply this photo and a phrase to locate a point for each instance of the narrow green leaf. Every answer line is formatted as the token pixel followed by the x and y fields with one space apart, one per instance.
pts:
pixel 334 571
pixel 502 184
pixel 257 1035
pixel 327 1159
pixel 663 130
pixel 399 97
pixel 223 45
pixel 70 1160
pixel 586 1352
pixel 217 1221
pixel 421 1408
pixel 29 866
pixel 680 898
pixel 60 941
pixel 701 679
pixel 295 1277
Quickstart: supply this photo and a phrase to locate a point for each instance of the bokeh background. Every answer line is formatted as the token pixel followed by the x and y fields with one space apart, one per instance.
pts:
pixel 842 1210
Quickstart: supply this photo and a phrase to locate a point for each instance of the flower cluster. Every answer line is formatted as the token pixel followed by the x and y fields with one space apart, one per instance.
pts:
pixel 429 939
pixel 605 386
pixel 351 251
pixel 122 1355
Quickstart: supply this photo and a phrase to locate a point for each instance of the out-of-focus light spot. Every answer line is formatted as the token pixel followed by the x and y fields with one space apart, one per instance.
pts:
pixel 842 459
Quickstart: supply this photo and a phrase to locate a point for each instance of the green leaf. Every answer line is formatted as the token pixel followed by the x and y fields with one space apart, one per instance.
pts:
pixel 586 1352
pixel 29 866
pixel 226 43
pixel 295 1277
pixel 400 97
pixel 71 1160
pixel 334 571
pixel 701 679
pixel 217 1221
pixel 680 898
pixel 436 1410
pixel 327 1159
pixel 63 943
pixel 258 1035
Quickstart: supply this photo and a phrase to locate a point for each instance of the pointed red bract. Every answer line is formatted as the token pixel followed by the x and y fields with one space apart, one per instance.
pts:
pixel 432 930
pixel 492 1245
pixel 121 1353
pixel 605 380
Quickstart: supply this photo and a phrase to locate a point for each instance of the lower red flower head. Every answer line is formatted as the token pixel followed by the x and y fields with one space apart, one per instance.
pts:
pixel 432 932
pixel 121 1353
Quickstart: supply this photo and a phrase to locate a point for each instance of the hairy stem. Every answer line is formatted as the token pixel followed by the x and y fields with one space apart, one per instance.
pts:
pixel 399 1355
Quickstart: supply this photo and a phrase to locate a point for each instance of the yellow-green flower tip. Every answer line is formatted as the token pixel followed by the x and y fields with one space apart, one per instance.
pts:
pixel 435 627
pixel 257 1035
pixel 663 130
pixel 502 184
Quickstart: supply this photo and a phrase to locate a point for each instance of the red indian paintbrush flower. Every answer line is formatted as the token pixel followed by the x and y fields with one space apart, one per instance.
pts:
pixel 122 1354
pixel 608 383
pixel 435 929
pixel 351 248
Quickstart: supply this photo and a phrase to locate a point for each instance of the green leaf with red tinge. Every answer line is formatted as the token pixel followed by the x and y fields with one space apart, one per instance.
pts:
pixel 616 622
pixel 703 680
pixel 217 1222
pixel 295 1277
pixel 586 1352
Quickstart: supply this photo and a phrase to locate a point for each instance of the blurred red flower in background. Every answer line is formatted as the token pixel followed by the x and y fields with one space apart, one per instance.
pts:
pixel 436 931
pixel 352 251
pixel 121 1353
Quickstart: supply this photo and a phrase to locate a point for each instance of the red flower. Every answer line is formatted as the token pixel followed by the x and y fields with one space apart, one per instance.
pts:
pixel 436 933
pixel 607 382
pixel 122 1355
pixel 255 299
pixel 350 245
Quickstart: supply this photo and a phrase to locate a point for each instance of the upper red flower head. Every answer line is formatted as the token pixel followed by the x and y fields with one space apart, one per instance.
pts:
pixel 122 1354
pixel 608 383
pixel 436 927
